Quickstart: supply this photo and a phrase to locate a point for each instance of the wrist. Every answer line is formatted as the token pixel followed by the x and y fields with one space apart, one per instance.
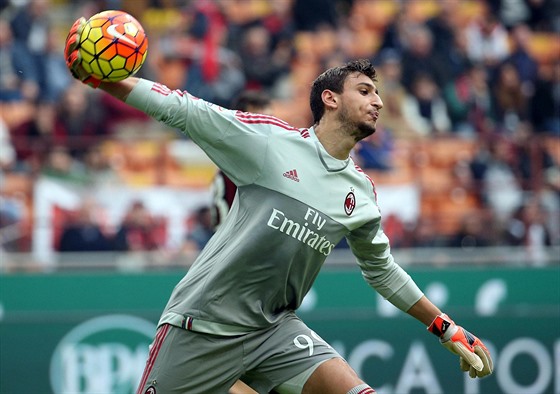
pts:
pixel 443 327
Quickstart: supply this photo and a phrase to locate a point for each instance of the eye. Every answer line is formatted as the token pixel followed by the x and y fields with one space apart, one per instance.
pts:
pixel 364 92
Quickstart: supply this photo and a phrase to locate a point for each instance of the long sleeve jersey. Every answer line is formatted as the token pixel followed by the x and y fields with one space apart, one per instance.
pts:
pixel 294 203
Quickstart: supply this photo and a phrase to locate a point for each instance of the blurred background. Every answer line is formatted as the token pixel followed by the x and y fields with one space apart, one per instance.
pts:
pixel 102 209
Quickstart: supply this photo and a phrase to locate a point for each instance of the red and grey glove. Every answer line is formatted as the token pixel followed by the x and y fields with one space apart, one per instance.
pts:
pixel 474 356
pixel 72 55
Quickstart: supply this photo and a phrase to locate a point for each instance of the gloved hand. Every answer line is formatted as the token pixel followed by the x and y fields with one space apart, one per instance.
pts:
pixel 474 356
pixel 72 55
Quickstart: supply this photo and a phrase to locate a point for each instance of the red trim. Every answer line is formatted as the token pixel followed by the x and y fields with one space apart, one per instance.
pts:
pixel 162 89
pixel 272 122
pixel 250 118
pixel 367 390
pixel 368 178
pixel 160 336
pixel 253 116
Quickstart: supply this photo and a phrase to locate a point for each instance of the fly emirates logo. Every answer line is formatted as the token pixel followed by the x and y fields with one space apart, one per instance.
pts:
pixel 302 232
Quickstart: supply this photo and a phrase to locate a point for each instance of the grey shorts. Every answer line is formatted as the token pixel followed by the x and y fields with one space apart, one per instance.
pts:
pixel 182 361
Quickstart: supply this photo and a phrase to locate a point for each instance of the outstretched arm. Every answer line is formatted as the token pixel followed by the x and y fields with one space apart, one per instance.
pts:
pixel 121 89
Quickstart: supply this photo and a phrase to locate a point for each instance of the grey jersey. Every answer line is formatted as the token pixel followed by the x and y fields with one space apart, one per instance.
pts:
pixel 295 203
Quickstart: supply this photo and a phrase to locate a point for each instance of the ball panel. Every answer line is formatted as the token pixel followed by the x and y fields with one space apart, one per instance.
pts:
pixel 124 50
pixel 102 46
pixel 87 48
pixel 118 62
pixel 131 29
pixel 95 34
pixel 118 75
pixel 109 52
pixel 132 63
pixel 96 70
pixel 104 66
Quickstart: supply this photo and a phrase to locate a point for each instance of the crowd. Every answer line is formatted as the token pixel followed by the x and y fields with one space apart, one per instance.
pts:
pixel 470 74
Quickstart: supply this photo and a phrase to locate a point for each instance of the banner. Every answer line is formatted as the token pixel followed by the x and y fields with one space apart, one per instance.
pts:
pixel 89 333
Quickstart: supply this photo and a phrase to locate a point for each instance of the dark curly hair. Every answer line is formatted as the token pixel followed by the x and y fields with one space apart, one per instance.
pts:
pixel 333 79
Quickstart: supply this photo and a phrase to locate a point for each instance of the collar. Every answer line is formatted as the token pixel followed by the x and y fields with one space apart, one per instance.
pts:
pixel 330 163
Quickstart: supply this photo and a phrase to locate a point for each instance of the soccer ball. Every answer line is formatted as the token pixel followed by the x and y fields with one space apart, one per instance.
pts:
pixel 113 46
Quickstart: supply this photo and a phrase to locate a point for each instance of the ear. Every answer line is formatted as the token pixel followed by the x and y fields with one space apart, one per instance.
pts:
pixel 330 99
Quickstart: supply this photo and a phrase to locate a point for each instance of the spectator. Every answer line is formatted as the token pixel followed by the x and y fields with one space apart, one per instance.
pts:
pixel 544 15
pixel 201 230
pixel 54 77
pixel 310 15
pixel 445 26
pixel 469 102
pixel 60 165
pixel 394 93
pixel 263 64
pixel 532 159
pixel 394 227
pixel 487 41
pixel 511 12
pixel 474 232
pixel 280 24
pixel 458 61
pixel 543 106
pixel 77 123
pixel 499 187
pixel 12 216
pixel 521 58
pixel 82 232
pixel 528 228
pixel 7 151
pixel 31 25
pixel 19 76
pixel 98 168
pixel 397 34
pixel 214 72
pixel 420 59
pixel 138 230
pixel 33 138
pixel 424 109
pixel 374 152
pixel 425 234
pixel 511 103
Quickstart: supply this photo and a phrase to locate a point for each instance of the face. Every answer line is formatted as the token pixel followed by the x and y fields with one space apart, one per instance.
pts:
pixel 359 106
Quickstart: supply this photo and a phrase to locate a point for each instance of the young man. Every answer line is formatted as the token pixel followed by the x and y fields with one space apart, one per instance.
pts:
pixel 233 314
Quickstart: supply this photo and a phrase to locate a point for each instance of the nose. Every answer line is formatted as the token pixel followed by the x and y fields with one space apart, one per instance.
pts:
pixel 377 102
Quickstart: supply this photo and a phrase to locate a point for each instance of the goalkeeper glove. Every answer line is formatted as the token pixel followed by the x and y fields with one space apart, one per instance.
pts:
pixel 474 356
pixel 72 55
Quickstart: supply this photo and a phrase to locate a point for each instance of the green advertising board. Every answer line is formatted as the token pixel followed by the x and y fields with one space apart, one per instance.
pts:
pixel 89 333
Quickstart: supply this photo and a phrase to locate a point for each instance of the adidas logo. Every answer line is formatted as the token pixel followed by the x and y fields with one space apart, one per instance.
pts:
pixel 291 175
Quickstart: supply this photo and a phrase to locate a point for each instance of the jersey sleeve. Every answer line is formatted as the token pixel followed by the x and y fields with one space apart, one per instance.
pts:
pixel 237 148
pixel 371 247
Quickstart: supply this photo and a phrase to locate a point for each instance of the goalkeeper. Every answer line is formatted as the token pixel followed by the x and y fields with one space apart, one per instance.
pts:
pixel 299 193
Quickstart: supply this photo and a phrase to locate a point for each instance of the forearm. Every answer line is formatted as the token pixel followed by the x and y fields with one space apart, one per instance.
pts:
pixel 119 90
pixel 424 310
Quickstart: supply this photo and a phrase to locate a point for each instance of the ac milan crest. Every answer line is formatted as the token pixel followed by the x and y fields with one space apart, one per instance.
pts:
pixel 349 203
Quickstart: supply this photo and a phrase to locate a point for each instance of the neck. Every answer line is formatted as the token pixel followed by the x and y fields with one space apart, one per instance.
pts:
pixel 334 138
